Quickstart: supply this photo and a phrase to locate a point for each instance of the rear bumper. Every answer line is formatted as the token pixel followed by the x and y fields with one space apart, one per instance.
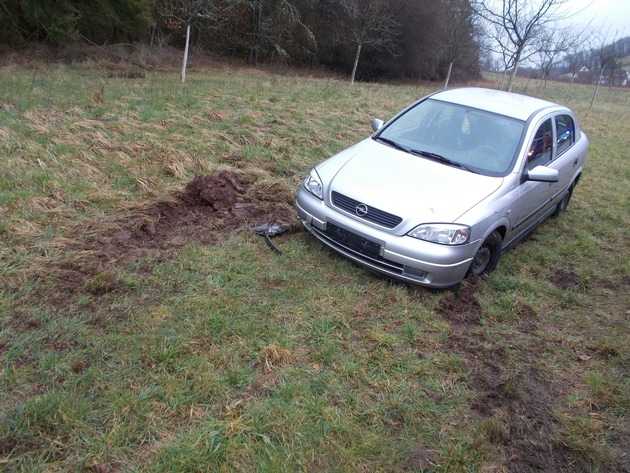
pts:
pixel 401 257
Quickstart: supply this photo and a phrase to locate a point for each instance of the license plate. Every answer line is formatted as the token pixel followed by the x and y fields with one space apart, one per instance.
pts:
pixel 353 241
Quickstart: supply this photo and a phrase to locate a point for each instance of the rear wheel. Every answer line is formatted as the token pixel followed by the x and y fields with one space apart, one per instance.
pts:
pixel 487 256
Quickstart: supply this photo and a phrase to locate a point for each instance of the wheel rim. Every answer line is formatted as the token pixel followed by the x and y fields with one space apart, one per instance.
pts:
pixel 481 260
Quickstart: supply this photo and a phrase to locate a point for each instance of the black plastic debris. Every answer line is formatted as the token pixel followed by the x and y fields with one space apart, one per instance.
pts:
pixel 269 231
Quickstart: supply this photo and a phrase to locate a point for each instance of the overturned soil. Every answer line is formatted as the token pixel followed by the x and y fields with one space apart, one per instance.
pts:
pixel 205 211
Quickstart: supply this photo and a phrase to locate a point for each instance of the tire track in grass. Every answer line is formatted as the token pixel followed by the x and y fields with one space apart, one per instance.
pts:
pixel 514 399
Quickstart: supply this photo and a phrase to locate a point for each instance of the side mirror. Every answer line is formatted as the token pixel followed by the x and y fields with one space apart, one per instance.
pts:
pixel 543 174
pixel 377 124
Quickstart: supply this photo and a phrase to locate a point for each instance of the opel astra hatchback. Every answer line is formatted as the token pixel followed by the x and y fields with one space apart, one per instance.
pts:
pixel 440 190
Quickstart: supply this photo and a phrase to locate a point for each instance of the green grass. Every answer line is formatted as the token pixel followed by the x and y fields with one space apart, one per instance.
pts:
pixel 170 373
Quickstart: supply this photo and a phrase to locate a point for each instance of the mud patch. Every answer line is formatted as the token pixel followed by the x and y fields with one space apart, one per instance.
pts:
pixel 22 322
pixel 516 408
pixel 207 209
pixel 613 284
pixel 514 401
pixel 564 279
pixel 461 306
pixel 7 446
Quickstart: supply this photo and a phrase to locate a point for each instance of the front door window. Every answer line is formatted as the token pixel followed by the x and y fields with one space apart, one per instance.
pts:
pixel 540 152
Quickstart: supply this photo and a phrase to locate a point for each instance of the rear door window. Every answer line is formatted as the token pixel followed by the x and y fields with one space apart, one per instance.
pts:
pixel 565 132
pixel 541 149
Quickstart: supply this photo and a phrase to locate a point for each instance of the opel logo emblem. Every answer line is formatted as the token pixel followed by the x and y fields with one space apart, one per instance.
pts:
pixel 361 210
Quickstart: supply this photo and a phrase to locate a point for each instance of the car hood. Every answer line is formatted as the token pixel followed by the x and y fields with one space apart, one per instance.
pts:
pixel 416 189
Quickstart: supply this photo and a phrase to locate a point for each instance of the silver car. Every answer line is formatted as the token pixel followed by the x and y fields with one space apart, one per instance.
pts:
pixel 448 184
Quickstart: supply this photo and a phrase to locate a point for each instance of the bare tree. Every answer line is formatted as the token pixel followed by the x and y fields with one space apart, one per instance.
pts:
pixel 370 24
pixel 550 45
pixel 185 13
pixel 605 60
pixel 513 26
pixel 272 20
pixel 459 44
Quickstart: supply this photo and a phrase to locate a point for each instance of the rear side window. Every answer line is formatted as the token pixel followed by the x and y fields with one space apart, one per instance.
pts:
pixel 540 151
pixel 565 132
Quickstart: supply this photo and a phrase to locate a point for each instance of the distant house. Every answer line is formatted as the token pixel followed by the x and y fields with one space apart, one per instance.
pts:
pixel 585 75
pixel 620 78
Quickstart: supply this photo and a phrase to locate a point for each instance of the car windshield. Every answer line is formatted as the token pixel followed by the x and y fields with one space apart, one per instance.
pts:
pixel 464 137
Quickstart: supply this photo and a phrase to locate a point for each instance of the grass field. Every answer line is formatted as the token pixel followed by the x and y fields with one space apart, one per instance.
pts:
pixel 215 354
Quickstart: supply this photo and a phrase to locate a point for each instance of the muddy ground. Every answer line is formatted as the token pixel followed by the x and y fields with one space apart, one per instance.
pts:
pixel 206 211
pixel 514 398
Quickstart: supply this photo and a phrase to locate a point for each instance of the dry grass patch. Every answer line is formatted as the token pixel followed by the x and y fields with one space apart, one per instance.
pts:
pixel 272 356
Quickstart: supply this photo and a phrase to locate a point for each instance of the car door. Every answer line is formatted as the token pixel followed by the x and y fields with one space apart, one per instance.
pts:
pixel 566 157
pixel 533 197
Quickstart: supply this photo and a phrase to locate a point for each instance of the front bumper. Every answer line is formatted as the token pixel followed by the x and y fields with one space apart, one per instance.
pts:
pixel 401 257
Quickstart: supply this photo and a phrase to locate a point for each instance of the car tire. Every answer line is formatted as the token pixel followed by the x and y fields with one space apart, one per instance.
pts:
pixel 564 203
pixel 487 257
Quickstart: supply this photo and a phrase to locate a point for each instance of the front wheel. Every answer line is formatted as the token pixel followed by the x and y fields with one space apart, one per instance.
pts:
pixel 487 257
pixel 564 203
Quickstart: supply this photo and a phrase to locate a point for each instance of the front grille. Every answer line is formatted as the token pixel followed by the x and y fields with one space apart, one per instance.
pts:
pixel 357 246
pixel 373 215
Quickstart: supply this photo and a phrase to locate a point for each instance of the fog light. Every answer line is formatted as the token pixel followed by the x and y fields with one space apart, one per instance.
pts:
pixel 415 273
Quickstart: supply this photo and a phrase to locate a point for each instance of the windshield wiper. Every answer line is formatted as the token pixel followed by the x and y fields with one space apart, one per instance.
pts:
pixel 425 154
pixel 441 159
pixel 392 143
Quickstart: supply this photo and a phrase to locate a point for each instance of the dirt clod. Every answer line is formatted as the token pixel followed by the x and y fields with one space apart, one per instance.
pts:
pixel 219 191
pixel 78 366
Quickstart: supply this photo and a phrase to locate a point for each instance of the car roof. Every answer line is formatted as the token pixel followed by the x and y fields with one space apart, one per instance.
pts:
pixel 509 104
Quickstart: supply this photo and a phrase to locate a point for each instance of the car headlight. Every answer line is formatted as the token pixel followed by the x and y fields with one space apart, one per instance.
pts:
pixel 443 233
pixel 313 184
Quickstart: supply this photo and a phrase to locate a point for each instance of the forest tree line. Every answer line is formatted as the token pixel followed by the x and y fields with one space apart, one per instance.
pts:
pixel 394 39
